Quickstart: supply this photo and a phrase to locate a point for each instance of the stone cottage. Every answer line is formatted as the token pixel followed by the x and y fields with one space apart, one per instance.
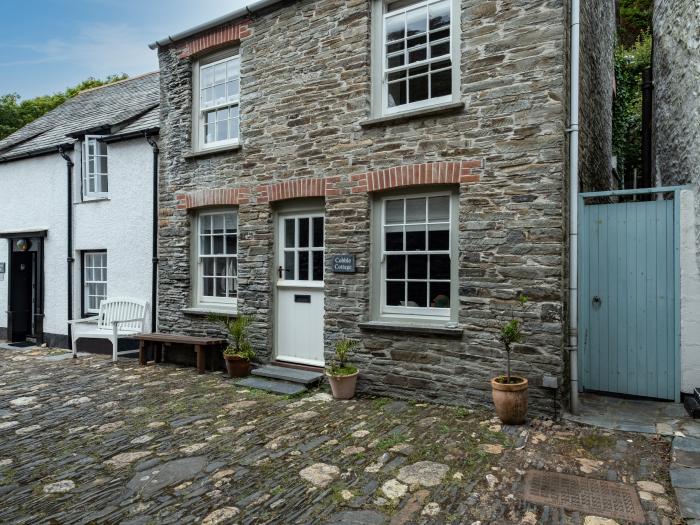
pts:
pixel 391 171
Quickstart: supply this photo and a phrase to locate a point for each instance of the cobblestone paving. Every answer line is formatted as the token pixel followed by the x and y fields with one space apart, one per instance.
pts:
pixel 86 441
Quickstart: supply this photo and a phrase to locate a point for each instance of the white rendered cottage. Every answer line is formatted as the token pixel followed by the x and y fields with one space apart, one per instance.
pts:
pixel 77 210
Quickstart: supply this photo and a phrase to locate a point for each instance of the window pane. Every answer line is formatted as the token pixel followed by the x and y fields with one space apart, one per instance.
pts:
pixel 417 55
pixel 395 27
pixel 289 265
pixel 233 68
pixel 318 266
pixel 234 124
pixel 397 94
pixel 218 223
pixel 396 266
pixel 207 76
pixel 395 293
pixel 218 244
pixel 417 266
pixel 289 233
pixel 415 210
pixel 418 88
pixel 231 283
pixel 439 50
pixel 438 237
pixel 101 148
pixel 394 239
pixel 91 165
pixel 417 294
pixel 440 266
pixel 208 267
pixel 208 287
pixel 104 184
pixel 439 295
pixel 222 130
pixel 231 222
pixel 234 88
pixel 395 47
pixel 416 21
pixel 205 224
pixel 304 266
pixel 220 287
pixel 219 73
pixel 231 267
pixel 439 209
pixel 394 211
pixel 416 41
pixel 231 244
pixel 220 266
pixel 415 238
pixel 220 93
pixel 395 61
pixel 440 14
pixel 303 233
pixel 318 232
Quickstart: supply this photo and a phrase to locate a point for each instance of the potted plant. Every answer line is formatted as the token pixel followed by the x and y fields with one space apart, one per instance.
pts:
pixel 239 352
pixel 510 392
pixel 341 375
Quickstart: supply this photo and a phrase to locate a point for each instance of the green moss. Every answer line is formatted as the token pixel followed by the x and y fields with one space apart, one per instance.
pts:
pixel 596 441
pixel 391 441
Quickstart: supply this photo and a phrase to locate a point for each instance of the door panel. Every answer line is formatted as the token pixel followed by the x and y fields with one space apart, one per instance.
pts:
pixel 627 300
pixel 299 287
pixel 21 292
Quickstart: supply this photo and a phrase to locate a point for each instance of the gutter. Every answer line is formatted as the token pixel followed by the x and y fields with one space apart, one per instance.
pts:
pixel 574 200
pixel 132 135
pixel 70 260
pixel 154 235
pixel 241 12
pixel 36 153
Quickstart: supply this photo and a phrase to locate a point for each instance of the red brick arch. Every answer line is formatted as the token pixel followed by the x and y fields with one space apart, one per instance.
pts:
pixel 450 172
pixel 296 188
pixel 213 197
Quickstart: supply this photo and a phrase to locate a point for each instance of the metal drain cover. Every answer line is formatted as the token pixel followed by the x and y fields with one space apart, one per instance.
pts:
pixel 592 496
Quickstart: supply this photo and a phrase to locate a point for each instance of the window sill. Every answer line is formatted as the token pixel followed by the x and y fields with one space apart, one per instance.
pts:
pixel 440 109
pixel 416 329
pixel 204 311
pixel 93 199
pixel 213 151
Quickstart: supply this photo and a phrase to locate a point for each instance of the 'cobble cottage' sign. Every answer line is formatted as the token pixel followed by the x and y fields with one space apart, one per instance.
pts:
pixel 344 264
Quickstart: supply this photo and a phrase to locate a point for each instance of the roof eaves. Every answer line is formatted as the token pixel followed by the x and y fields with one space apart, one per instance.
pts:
pixel 36 153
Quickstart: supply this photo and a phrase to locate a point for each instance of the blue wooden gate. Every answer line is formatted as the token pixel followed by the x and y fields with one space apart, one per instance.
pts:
pixel 628 294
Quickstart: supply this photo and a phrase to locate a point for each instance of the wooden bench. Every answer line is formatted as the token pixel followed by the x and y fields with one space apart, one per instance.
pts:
pixel 158 341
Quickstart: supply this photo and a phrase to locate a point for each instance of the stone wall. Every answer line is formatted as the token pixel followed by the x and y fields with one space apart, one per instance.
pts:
pixel 305 91
pixel 597 80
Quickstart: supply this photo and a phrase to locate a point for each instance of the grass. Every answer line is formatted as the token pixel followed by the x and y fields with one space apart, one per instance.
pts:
pixel 391 441
pixel 380 402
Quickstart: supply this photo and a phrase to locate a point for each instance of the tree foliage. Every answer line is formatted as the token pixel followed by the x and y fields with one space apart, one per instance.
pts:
pixel 634 20
pixel 16 113
pixel 630 63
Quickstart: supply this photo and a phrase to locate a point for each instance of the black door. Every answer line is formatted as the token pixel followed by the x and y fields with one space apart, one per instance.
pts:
pixel 21 293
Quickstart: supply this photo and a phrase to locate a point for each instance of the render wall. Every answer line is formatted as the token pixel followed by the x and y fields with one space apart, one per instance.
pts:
pixel 305 90
pixel 597 80
pixel 33 197
pixel 690 294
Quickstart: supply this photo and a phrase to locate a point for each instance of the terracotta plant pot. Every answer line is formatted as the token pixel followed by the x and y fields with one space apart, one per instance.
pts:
pixel 510 400
pixel 343 387
pixel 237 366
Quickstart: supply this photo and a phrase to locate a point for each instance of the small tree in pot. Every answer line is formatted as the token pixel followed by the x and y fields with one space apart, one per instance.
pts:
pixel 341 376
pixel 239 352
pixel 510 392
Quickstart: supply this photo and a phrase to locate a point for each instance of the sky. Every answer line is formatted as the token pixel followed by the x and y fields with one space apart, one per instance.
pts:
pixel 49 45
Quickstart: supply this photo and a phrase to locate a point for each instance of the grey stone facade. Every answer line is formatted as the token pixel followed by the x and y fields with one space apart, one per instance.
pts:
pixel 677 92
pixel 597 81
pixel 305 90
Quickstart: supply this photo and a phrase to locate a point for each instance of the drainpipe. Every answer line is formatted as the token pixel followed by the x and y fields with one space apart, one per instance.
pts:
pixel 154 235
pixel 69 236
pixel 573 202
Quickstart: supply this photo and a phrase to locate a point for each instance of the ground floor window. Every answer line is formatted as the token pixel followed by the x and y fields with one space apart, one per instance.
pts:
pixel 416 256
pixel 94 280
pixel 216 249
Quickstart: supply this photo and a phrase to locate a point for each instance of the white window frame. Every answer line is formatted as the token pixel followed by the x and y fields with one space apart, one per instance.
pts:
pixel 380 105
pixel 87 255
pixel 409 314
pixel 97 175
pixel 199 112
pixel 200 300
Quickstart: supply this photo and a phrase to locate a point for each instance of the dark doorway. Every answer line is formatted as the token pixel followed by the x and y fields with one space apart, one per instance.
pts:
pixel 21 294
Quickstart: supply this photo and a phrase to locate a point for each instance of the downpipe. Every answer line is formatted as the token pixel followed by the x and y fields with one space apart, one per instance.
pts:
pixel 154 235
pixel 69 214
pixel 574 201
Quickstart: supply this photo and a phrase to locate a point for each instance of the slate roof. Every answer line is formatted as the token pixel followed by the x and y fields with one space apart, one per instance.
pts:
pixel 127 106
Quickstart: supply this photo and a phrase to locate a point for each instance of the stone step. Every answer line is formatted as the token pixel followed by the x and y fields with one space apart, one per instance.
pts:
pixel 272 385
pixel 293 375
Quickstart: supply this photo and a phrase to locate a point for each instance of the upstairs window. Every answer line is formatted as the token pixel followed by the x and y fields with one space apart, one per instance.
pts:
pixel 418 54
pixel 95 172
pixel 217 100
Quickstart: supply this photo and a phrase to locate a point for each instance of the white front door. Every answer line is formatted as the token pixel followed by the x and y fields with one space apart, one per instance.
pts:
pixel 299 282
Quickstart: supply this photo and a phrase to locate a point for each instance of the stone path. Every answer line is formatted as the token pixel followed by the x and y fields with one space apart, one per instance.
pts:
pixel 85 441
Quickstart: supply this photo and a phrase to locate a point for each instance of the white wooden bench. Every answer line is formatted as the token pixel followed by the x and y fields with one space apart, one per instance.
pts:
pixel 117 317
